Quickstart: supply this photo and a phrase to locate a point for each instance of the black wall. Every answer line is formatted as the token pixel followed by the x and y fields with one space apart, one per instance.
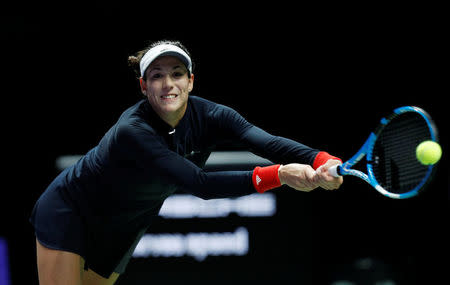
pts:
pixel 322 78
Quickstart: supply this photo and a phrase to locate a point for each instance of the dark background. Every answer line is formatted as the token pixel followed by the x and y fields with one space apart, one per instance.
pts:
pixel 319 75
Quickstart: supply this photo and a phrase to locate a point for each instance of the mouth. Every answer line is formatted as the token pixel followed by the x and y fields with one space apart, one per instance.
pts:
pixel 169 96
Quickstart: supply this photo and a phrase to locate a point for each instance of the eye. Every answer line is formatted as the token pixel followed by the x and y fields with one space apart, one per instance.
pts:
pixel 178 74
pixel 156 76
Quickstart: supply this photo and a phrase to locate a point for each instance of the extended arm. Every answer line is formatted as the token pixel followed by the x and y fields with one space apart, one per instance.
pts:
pixel 150 153
pixel 299 161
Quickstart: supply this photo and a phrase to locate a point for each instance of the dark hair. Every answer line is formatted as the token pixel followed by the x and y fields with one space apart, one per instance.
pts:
pixel 134 60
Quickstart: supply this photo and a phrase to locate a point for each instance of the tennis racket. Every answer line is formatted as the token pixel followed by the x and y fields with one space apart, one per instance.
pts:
pixel 390 151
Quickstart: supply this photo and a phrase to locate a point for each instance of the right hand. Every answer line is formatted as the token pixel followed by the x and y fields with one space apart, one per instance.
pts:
pixel 301 177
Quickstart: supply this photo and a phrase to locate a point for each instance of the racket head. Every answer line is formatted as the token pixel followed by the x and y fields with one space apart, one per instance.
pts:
pixel 393 168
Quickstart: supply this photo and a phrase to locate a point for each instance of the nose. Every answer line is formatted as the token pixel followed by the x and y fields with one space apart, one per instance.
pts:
pixel 167 82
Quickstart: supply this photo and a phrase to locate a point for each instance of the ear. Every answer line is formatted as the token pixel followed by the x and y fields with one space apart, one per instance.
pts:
pixel 191 83
pixel 143 86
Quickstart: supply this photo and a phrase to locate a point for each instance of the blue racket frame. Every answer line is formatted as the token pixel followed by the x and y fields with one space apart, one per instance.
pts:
pixel 367 150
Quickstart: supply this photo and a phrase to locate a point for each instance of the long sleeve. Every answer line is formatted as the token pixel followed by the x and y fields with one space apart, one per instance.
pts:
pixel 150 153
pixel 278 149
pixel 275 148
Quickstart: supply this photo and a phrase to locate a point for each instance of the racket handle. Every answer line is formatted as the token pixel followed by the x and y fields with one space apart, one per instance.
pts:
pixel 335 170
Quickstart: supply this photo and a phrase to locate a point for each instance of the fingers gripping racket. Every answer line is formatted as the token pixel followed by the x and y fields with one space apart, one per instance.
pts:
pixel 392 166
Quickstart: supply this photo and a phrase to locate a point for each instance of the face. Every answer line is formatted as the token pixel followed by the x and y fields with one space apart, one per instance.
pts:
pixel 167 88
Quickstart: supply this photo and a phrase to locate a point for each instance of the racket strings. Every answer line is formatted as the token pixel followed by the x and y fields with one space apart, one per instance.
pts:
pixel 395 164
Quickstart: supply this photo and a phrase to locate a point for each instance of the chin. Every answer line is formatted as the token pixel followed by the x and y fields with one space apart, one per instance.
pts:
pixel 173 107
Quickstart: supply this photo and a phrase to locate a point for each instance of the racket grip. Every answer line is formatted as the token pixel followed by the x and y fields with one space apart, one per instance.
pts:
pixel 334 170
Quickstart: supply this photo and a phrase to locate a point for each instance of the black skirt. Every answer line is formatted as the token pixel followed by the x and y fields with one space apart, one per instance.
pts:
pixel 58 225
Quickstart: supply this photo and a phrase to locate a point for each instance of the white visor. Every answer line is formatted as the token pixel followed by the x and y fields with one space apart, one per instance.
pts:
pixel 164 49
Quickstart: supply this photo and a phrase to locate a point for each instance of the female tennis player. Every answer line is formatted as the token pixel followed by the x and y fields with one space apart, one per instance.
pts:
pixel 91 217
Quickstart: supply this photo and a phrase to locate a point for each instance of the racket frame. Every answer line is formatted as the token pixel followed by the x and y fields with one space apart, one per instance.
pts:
pixel 367 150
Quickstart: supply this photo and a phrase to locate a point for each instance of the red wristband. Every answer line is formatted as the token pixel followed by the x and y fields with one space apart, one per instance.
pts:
pixel 322 158
pixel 266 178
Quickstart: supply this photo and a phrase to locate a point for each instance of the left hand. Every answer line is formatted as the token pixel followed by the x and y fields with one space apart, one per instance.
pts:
pixel 324 179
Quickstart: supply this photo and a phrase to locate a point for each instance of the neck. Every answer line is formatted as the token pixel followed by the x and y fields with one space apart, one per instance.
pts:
pixel 174 118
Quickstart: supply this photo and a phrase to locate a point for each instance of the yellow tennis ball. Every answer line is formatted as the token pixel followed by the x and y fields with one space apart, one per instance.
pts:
pixel 428 152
